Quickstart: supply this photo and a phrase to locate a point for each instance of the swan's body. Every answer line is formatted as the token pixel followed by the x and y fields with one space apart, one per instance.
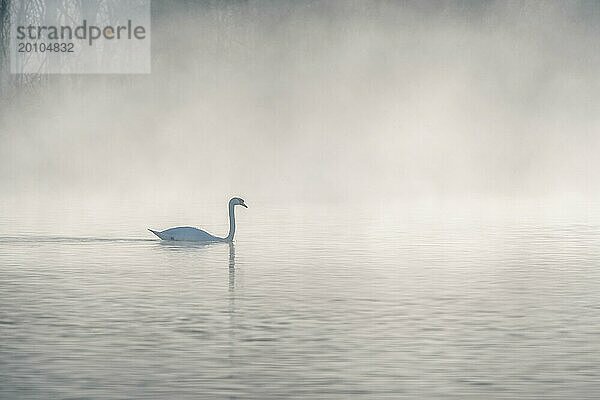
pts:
pixel 190 234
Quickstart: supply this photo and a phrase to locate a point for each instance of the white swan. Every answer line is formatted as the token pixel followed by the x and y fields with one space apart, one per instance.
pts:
pixel 187 233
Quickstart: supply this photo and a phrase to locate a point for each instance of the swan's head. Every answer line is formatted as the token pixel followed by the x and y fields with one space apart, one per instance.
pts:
pixel 236 201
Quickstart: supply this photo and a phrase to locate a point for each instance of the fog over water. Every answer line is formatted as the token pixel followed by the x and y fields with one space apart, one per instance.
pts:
pixel 422 221
pixel 322 102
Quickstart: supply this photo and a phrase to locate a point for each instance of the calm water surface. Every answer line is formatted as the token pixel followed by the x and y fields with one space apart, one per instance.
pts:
pixel 322 303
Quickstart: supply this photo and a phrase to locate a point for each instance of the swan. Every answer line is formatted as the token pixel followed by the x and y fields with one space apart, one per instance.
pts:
pixel 187 233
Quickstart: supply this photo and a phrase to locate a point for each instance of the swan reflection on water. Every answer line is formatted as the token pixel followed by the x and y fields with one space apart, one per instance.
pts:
pixel 187 246
pixel 231 266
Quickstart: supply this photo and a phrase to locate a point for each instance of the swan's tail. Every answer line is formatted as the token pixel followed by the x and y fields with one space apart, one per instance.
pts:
pixel 156 233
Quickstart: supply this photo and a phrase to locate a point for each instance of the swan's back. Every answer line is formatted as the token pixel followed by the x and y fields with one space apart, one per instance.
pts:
pixel 186 233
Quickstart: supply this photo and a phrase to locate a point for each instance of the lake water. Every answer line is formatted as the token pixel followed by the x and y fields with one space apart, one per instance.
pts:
pixel 310 302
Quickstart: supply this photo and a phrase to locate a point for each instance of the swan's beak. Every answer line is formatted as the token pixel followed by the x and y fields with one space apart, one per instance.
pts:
pixel 244 205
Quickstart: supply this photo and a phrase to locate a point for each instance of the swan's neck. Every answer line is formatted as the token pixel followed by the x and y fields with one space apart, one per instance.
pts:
pixel 229 237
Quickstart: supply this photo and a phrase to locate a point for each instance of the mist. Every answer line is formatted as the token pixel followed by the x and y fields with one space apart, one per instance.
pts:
pixel 420 183
pixel 321 102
